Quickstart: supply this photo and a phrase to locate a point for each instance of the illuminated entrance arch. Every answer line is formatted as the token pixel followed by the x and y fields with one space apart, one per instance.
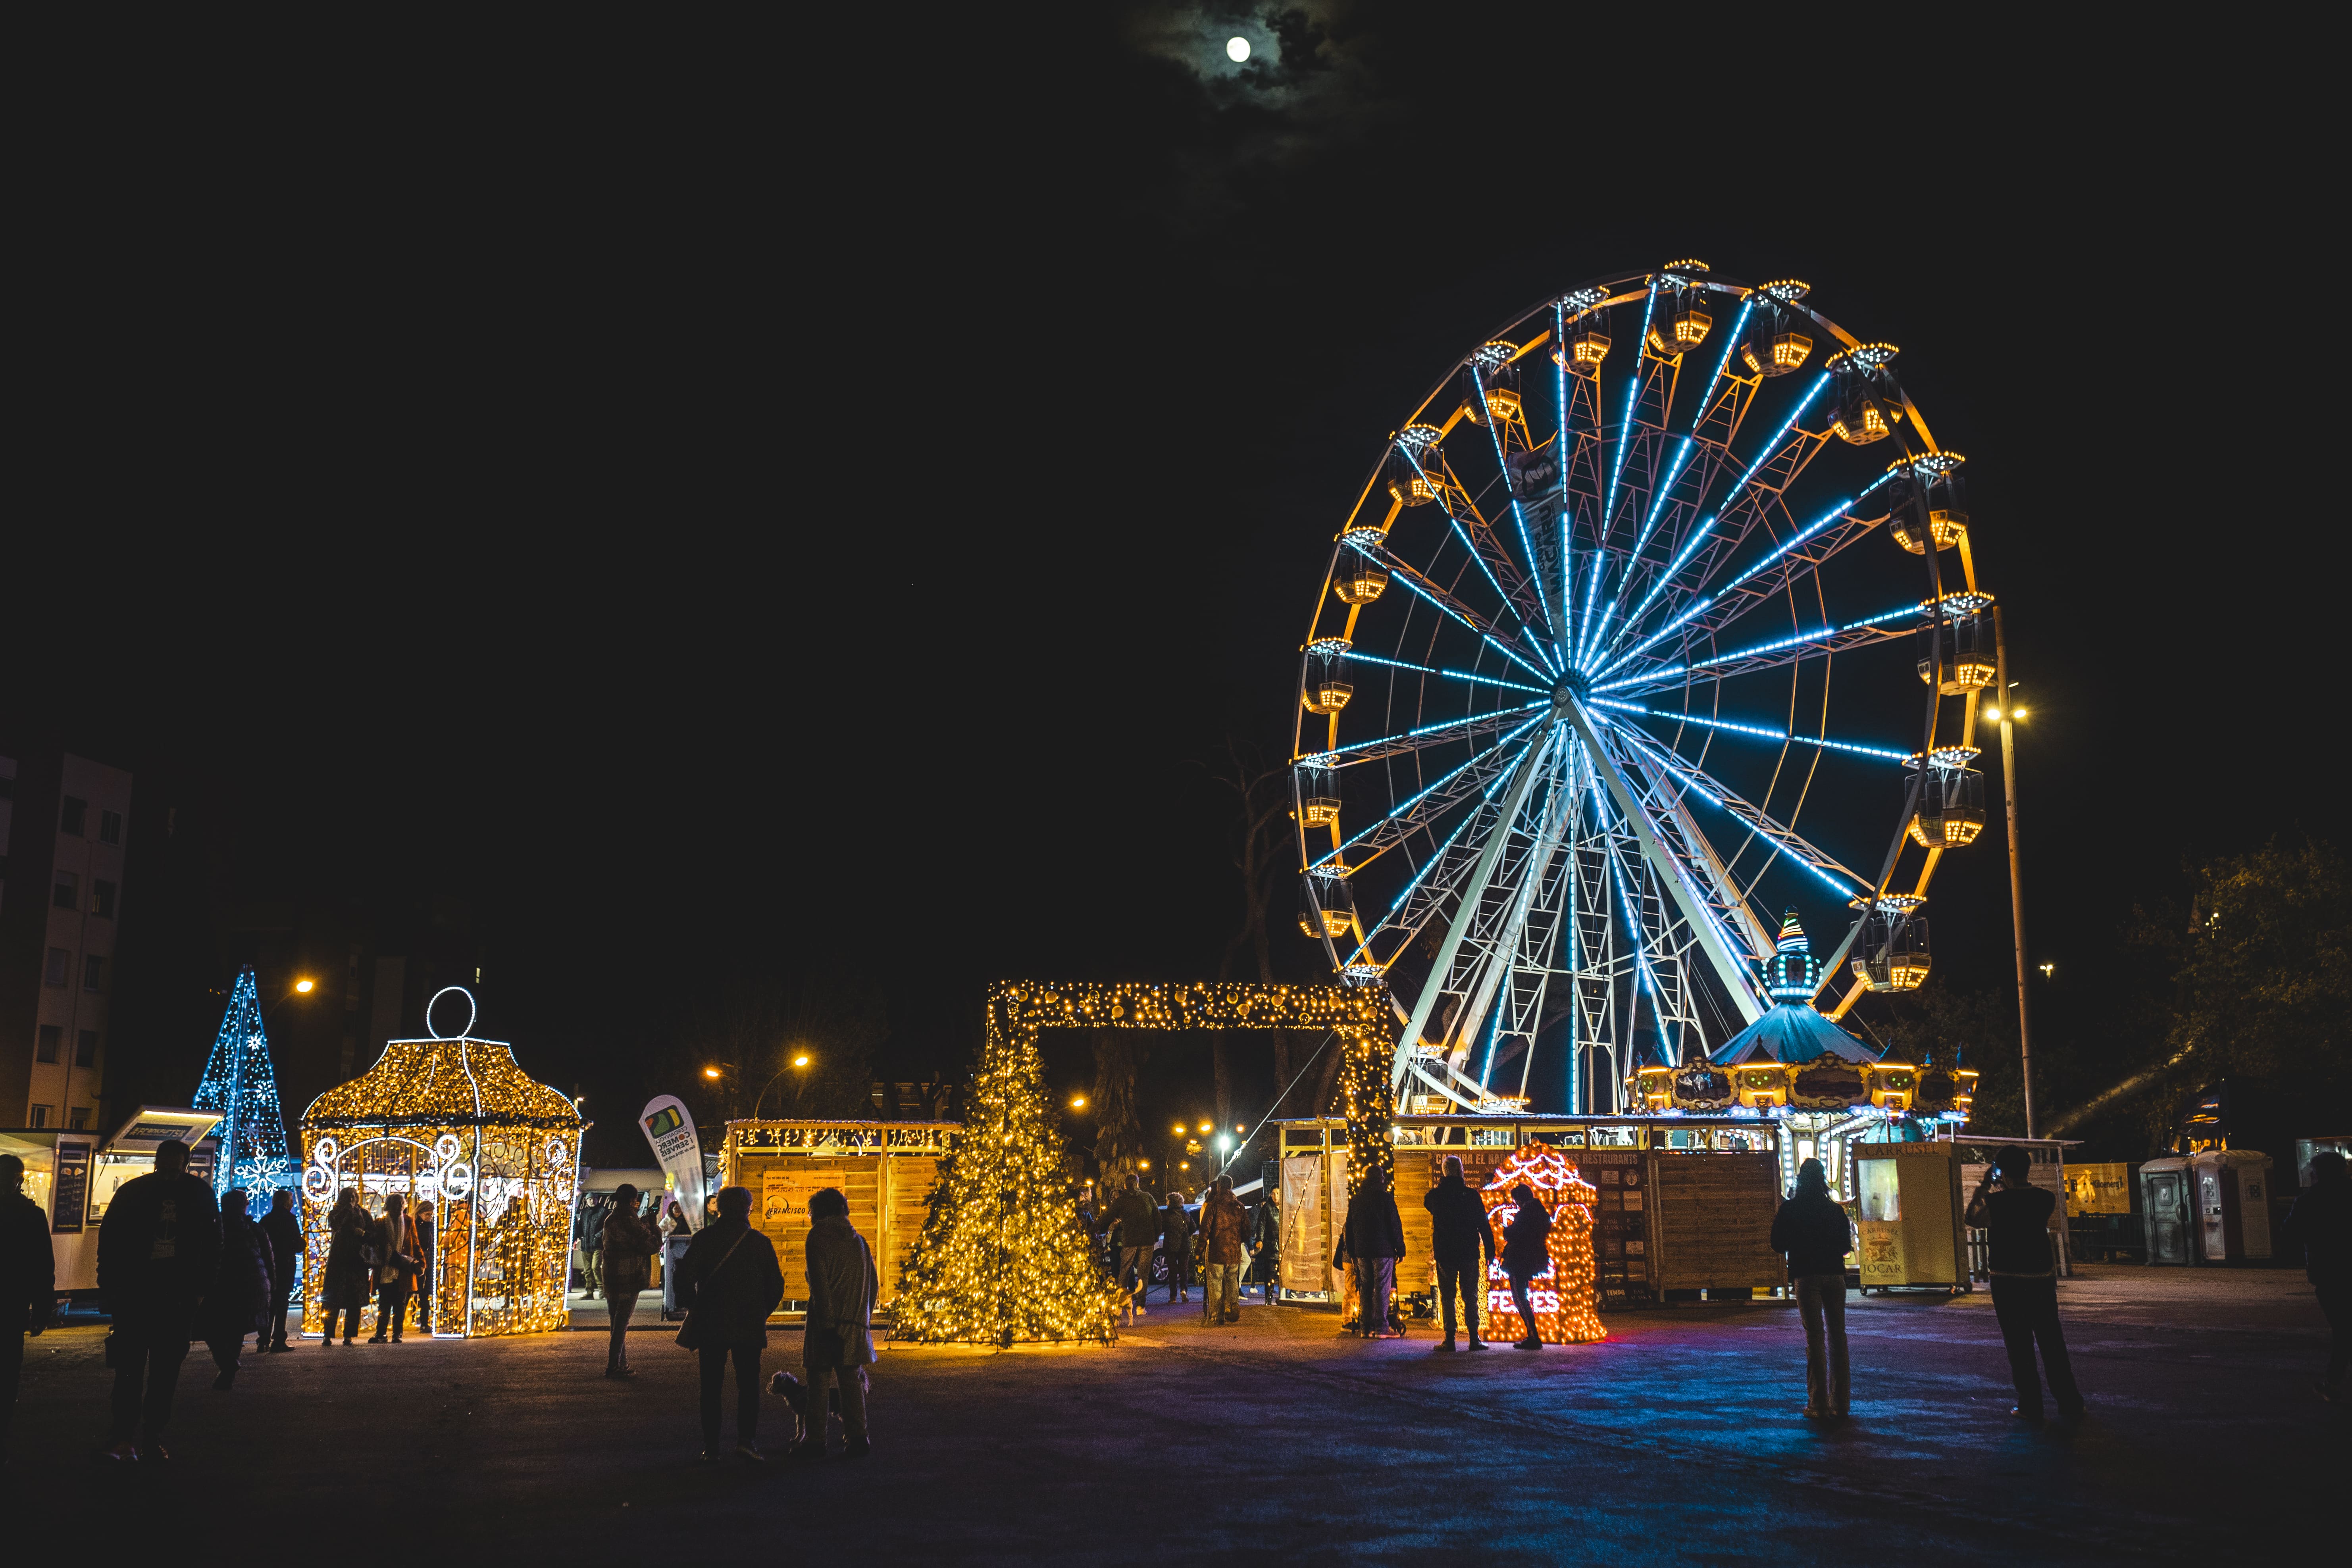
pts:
pixel 1019 1010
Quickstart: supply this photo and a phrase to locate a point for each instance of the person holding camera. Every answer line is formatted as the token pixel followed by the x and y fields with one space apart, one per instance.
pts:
pixel 2014 1213
pixel 395 1252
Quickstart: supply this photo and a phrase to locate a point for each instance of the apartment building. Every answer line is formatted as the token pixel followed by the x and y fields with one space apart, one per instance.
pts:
pixel 64 824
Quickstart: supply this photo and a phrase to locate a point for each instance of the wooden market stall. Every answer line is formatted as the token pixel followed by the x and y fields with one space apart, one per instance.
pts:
pixel 1683 1203
pixel 885 1169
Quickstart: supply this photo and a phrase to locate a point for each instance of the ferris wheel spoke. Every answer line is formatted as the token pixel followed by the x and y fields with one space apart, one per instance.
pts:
pixel 1355 656
pixel 1775 468
pixel 1418 583
pixel 1421 738
pixel 1775 655
pixel 1737 978
pixel 1421 812
pixel 1441 875
pixel 1840 878
pixel 1756 732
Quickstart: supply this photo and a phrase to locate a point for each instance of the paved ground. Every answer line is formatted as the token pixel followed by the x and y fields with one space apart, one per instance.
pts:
pixel 1678 1439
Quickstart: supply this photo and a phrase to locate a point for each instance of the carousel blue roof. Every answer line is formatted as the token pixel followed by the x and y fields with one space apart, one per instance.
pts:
pixel 1793 1033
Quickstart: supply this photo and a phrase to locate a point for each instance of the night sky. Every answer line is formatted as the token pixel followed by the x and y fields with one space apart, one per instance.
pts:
pixel 822 518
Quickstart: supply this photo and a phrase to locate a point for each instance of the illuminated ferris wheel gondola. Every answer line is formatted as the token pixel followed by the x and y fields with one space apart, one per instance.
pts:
pixel 1566 695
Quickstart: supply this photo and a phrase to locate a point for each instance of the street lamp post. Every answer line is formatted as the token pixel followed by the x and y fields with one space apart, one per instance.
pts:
pixel 2008 716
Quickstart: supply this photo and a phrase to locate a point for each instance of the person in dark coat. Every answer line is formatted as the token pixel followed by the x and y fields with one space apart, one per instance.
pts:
pixel 2024 1269
pixel 158 1248
pixel 1372 1238
pixel 28 1283
pixel 629 1244
pixel 348 1283
pixel 1527 1255
pixel 2321 1223
pixel 237 1303
pixel 1464 1244
pixel 392 1247
pixel 1134 1225
pixel 594 1216
pixel 428 1234
pixel 1265 1245
pixel 1814 1234
pixel 282 1232
pixel 1223 1222
pixel 731 1281
pixel 1176 1246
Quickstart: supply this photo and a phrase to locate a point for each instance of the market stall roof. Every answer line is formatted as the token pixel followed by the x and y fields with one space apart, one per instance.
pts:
pixel 1790 1033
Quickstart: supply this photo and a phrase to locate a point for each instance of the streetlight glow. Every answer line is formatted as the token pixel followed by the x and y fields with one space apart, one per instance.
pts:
pixel 1078 1102
pixel 801 1061
pixel 710 1072
pixel 305 986
pixel 1206 1127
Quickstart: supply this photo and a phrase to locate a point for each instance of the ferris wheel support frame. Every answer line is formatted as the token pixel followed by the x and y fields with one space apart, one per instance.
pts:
pixel 1489 857
pixel 1728 969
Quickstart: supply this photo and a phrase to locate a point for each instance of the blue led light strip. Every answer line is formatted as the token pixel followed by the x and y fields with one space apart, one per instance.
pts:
pixel 1779 834
pixel 1699 533
pixel 1411 579
pixel 1757 731
pixel 1431 864
pixel 1354 656
pixel 1399 810
pixel 1425 729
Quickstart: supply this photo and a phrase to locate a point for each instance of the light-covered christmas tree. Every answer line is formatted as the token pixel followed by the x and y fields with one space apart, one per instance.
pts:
pixel 1002 1259
pixel 241 1083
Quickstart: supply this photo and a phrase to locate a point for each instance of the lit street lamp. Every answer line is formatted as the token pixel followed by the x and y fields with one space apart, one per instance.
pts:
pixel 2007 718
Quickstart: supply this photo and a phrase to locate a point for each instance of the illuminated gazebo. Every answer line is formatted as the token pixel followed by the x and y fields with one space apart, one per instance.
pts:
pixel 453 1119
pixel 1562 1297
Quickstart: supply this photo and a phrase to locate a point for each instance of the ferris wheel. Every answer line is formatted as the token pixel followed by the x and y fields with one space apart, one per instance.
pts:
pixel 1569 758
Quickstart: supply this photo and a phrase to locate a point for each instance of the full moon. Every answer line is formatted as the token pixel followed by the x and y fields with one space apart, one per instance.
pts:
pixel 1238 49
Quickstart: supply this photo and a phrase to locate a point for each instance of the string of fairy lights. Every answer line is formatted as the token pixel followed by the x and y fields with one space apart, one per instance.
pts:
pixel 998 1260
pixel 1566 1303
pixel 458 1123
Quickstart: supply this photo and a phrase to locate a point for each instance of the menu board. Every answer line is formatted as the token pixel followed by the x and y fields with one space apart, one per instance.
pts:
pixel 72 1189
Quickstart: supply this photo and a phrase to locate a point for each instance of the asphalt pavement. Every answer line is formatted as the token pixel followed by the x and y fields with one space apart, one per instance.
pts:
pixel 1679 1438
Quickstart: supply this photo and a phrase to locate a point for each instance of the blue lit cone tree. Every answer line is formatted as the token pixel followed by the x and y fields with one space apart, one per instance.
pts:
pixel 1002 1259
pixel 241 1083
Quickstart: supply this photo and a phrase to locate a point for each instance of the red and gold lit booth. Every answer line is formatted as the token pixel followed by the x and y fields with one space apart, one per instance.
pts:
pixel 453 1121
pixel 1562 1296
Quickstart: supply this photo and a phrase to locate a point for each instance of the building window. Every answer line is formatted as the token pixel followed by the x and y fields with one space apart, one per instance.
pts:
pixel 39 1116
pixel 67 894
pixel 109 827
pixel 102 898
pixel 85 1047
pixel 79 1118
pixel 53 1039
pixel 60 964
pixel 72 818
pixel 93 972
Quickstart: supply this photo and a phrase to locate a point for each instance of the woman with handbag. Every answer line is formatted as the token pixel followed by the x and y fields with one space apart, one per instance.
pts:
pixel 345 1289
pixel 629 1245
pixel 730 1281
pixel 393 1245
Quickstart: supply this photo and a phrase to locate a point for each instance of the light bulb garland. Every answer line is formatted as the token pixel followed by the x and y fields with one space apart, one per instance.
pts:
pixel 1001 1259
pixel 1566 1306
pixel 458 1123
